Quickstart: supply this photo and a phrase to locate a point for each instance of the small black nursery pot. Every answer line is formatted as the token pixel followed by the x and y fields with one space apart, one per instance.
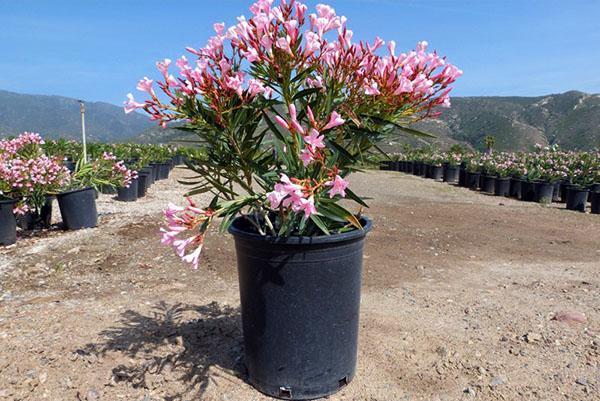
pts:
pixel 8 223
pixel 128 194
pixel 78 208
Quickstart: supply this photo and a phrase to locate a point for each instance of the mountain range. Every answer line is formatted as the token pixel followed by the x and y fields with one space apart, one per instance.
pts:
pixel 570 119
pixel 57 116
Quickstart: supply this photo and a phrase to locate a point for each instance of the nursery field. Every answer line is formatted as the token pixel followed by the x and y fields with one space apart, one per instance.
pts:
pixel 465 296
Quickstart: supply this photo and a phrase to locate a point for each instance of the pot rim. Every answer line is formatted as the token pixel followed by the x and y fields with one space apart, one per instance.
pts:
pixel 8 201
pixel 71 191
pixel 238 232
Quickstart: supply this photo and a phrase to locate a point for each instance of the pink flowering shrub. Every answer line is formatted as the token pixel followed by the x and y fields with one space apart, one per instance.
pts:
pixel 287 104
pixel 120 175
pixel 27 174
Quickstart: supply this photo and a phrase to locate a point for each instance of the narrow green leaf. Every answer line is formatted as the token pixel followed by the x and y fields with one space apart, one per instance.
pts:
pixel 319 223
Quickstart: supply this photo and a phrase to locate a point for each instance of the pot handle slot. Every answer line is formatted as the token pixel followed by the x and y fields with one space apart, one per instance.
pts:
pixel 285 392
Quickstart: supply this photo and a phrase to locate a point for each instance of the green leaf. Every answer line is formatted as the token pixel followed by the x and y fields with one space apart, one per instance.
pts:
pixel 319 223
pixel 355 197
pixel 306 93
pixel 273 127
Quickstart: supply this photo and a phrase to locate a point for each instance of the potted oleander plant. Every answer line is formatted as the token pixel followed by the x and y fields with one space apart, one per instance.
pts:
pixel 141 159
pixel 287 105
pixel 34 178
pixel 77 200
pixel 473 168
pixel 503 168
pixel 581 176
pixel 451 162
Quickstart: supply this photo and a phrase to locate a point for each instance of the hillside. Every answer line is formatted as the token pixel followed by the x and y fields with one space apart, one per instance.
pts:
pixel 57 116
pixel 571 119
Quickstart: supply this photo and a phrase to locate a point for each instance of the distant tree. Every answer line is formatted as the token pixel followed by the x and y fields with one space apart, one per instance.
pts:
pixel 489 142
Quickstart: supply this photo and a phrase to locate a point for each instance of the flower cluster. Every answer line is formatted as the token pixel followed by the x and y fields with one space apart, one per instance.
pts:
pixel 27 174
pixel 271 41
pixel 20 144
pixel 120 175
pixel 325 99
pixel 180 220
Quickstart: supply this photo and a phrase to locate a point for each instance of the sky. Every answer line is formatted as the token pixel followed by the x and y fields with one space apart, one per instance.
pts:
pixel 98 49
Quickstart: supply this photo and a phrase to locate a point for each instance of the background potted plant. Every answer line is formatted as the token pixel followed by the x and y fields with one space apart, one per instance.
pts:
pixel 287 106
pixel 452 161
pixel 473 171
pixel 503 168
pixel 77 201
pixel 31 177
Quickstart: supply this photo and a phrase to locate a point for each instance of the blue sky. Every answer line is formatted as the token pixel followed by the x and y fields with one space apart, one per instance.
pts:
pixel 98 49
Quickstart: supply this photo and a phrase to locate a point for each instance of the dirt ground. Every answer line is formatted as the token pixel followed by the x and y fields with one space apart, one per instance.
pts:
pixel 459 298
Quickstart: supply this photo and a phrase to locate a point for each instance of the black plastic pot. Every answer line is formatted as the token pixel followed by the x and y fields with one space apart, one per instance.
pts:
pixel 423 170
pixel 108 190
pixel 528 191
pixel 563 190
pixel 556 192
pixel 78 208
pixel 178 160
pixel 482 178
pixel 69 165
pixel 515 188
pixel 428 171
pixel 594 188
pixel 33 219
pixel 8 223
pixel 450 173
pixel 473 180
pixel 385 165
pixel 437 172
pixel 462 177
pixel 300 300
pixel 416 168
pixel 544 192
pixel 163 170
pixel 128 194
pixel 502 186
pixel 396 166
pixel 409 167
pixel 149 172
pixel 595 199
pixel 577 198
pixel 154 167
pixel 489 184
pixel 142 183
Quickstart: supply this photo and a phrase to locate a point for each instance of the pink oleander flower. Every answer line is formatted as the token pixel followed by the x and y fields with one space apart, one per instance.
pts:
pixel 131 105
pixel 335 120
pixel 188 222
pixel 338 187
pixel 307 156
pixel 314 139
pixel 145 85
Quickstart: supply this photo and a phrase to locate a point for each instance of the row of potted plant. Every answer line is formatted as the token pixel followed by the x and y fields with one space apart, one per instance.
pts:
pixel 546 175
pixel 34 172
